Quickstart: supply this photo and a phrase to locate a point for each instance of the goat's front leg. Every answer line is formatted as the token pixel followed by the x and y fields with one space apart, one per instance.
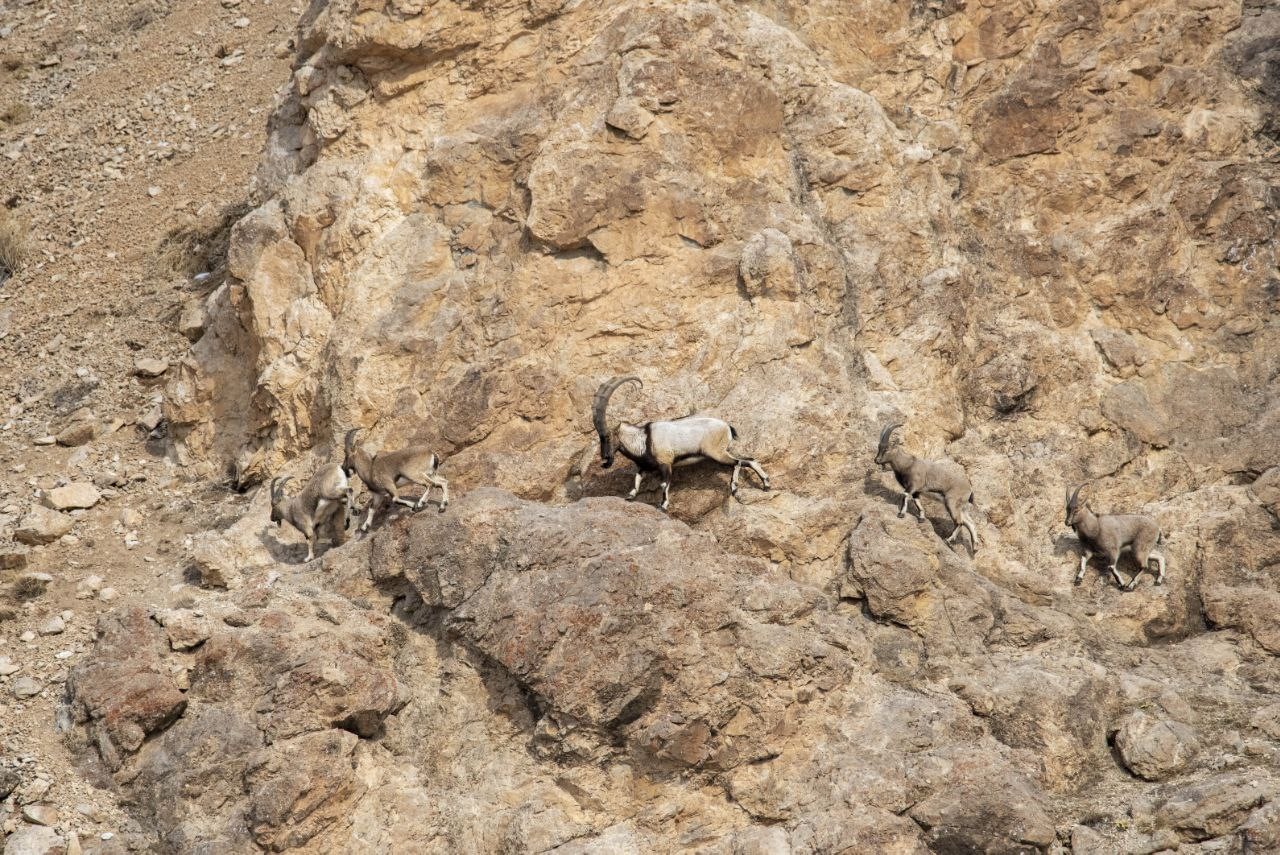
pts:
pixel 375 501
pixel 733 482
pixel 636 488
pixel 919 507
pixel 906 497
pixel 1115 559
pixel 666 486
pixel 422 500
pixel 1159 559
pixel 1084 561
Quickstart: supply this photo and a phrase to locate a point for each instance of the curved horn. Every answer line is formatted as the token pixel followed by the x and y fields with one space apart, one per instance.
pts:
pixel 1071 499
pixel 601 403
pixel 276 488
pixel 884 436
pixel 350 440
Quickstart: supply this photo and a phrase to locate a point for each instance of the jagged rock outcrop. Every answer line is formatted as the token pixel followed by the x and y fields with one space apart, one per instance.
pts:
pixel 1041 235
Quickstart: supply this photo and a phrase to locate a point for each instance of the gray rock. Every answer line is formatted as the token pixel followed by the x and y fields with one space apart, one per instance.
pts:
pixel 53 626
pixel 27 687
pixel 8 666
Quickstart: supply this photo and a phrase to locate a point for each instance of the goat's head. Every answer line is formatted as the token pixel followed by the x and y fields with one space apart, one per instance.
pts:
pixel 882 451
pixel 599 414
pixel 277 499
pixel 1075 508
pixel 349 447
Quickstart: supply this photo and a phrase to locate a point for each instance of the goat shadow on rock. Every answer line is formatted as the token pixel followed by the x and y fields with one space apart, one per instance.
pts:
pixel 701 478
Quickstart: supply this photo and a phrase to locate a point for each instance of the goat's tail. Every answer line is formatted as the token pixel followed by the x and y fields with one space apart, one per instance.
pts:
pixel 733 434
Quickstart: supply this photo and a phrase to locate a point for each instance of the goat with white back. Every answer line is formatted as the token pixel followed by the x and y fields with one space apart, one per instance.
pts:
pixel 659 446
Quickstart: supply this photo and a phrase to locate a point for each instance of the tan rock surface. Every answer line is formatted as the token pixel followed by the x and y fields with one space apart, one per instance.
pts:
pixel 1042 235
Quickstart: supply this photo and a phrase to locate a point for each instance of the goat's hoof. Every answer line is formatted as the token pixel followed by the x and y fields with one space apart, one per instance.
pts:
pixel 901 515
pixel 442 507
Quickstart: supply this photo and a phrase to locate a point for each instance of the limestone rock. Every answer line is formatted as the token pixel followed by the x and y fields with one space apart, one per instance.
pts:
pixel 26 687
pixel 149 367
pixel 77 434
pixel 72 496
pixel 34 840
pixel 40 814
pixel 42 525
pixel 184 628
pixel 1154 748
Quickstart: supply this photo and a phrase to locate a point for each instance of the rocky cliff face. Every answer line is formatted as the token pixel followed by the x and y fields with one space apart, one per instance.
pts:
pixel 1042 235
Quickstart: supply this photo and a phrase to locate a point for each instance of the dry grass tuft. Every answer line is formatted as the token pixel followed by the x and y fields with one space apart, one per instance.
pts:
pixel 15 242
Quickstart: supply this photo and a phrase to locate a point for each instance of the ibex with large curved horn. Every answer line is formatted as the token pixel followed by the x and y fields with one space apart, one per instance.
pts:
pixel 383 472
pixel 324 502
pixel 662 445
pixel 1112 534
pixel 943 477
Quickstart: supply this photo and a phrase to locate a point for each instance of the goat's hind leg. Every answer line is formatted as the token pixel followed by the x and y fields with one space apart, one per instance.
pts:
pixel 919 507
pixel 635 488
pixel 1084 562
pixel 906 497
pixel 665 469
pixel 1159 559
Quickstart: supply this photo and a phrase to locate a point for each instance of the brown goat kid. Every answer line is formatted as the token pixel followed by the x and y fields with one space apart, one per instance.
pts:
pixel 383 473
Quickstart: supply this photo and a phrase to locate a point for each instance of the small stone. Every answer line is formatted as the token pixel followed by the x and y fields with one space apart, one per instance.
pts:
pixel 106 595
pixel 26 687
pixel 53 626
pixel 241 23
pixel 40 814
pixel 150 420
pixel 149 367
pixel 27 637
pixel 76 434
pixel 185 629
pixel 192 321
pixel 75 495
pixel 44 440
pixel 153 191
pixel 88 586
pixel 42 525
pixel 8 666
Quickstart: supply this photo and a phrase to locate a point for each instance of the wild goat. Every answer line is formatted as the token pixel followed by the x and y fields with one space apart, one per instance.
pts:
pixel 660 446
pixel 944 478
pixel 316 507
pixel 383 472
pixel 1112 534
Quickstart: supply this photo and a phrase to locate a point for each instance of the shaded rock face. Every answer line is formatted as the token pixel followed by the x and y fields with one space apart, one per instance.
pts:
pixel 1041 235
